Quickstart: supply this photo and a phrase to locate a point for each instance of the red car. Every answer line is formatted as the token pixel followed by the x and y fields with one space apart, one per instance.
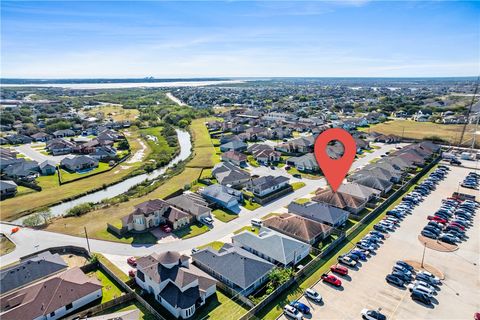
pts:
pixel 458 225
pixel 166 228
pixel 132 261
pixel 330 278
pixel 131 273
pixel 339 269
pixel 437 219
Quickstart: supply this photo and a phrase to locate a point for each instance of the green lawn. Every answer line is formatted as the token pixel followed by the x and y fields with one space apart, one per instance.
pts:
pixel 216 245
pixel 21 190
pixel 253 229
pixel 162 152
pixel 131 305
pixel 302 200
pixel 271 214
pixel 191 231
pixel 252 161
pixel 67 176
pixel 113 268
pixel 297 185
pixel 130 238
pixel 224 215
pixel 6 246
pixel 251 205
pixel 110 290
pixel 220 307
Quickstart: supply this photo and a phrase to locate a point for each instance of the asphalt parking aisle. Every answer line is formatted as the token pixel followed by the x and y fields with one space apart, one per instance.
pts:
pixel 459 295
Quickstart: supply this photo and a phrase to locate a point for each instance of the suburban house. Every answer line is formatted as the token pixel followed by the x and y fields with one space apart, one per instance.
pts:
pixel 273 246
pixel 300 228
pixel 7 189
pixel 320 212
pixel 234 145
pixel 354 199
pixel 178 286
pixel 63 133
pixel 153 213
pixel 47 167
pixel 60 146
pixel 382 185
pixel 235 157
pixel 263 153
pixel 299 145
pixel 29 270
pixel 41 137
pixel 266 185
pixel 24 170
pixel 230 175
pixel 239 269
pixel 78 163
pixel 52 298
pixel 191 203
pixel 306 163
pixel 223 196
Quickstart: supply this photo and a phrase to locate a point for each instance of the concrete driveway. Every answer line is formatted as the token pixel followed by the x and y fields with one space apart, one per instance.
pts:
pixel 28 151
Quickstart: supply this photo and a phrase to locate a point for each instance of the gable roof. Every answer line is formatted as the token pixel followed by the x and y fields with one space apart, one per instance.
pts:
pixel 338 199
pixel 191 203
pixel 374 182
pixel 150 206
pixel 29 270
pixel 266 182
pixel 297 227
pixel 307 160
pixel 222 193
pixel 227 173
pixel 234 263
pixel 270 243
pixel 319 212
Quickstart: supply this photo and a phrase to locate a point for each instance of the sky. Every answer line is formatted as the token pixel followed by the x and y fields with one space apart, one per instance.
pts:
pixel 358 38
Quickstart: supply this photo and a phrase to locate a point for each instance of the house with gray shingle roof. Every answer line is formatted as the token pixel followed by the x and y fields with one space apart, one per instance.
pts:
pixel 320 212
pixel 178 286
pixel 239 269
pixel 273 246
pixel 224 196
pixel 229 174
pixel 79 163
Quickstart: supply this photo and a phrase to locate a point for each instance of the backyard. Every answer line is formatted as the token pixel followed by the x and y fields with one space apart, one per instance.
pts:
pixel 110 290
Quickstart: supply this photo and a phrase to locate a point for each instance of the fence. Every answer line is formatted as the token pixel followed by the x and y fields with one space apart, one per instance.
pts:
pixel 314 264
pixel 101 307
pixel 243 300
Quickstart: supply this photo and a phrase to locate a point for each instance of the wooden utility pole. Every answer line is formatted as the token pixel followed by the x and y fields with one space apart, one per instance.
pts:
pixel 86 237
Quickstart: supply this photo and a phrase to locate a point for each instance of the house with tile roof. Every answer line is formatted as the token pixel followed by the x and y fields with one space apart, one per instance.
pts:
pixel 239 269
pixel 178 286
pixel 352 197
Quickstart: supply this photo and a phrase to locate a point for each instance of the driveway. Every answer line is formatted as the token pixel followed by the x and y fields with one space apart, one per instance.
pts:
pixel 28 151
pixel 29 240
pixel 366 287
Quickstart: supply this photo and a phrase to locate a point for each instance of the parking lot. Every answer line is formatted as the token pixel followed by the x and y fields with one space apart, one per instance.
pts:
pixel 365 287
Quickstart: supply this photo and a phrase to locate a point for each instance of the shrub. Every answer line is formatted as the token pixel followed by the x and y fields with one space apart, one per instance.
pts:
pixel 79 210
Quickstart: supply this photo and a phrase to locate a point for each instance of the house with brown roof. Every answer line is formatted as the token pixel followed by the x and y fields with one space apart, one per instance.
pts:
pixel 350 197
pixel 298 227
pixel 178 286
pixel 52 298
pixel 235 157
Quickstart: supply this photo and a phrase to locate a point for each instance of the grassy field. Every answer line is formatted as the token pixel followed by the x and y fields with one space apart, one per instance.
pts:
pixel 117 113
pixel 161 151
pixel 297 185
pixel 6 246
pixel 110 290
pixel 423 130
pixel 224 215
pixel 52 193
pixel 204 151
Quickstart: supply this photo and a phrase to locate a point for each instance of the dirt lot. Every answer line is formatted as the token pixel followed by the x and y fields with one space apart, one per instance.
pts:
pixel 459 296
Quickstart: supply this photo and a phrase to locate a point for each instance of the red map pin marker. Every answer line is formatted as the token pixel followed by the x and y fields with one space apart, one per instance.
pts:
pixel 335 170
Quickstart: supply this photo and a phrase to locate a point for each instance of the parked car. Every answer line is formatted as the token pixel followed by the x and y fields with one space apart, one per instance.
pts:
pixel 372 315
pixel 421 288
pixel 292 312
pixel 405 265
pixel 195 250
pixel 331 279
pixel 131 273
pixel 433 278
pixel 300 307
pixel 208 220
pixel 132 261
pixel 347 260
pixel 314 295
pixel 359 253
pixel 392 279
pixel 339 269
pixel 420 296
pixel 165 228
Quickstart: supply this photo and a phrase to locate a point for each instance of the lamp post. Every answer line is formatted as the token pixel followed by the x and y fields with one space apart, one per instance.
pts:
pixel 424 248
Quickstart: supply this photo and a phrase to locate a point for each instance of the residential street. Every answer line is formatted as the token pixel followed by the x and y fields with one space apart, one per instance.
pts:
pixel 29 240
pixel 33 154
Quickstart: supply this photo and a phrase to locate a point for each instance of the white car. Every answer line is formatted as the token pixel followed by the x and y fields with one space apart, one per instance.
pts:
pixel 348 261
pixel 292 312
pixel 421 288
pixel 424 284
pixel 314 295
pixel 372 315
pixel 208 220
